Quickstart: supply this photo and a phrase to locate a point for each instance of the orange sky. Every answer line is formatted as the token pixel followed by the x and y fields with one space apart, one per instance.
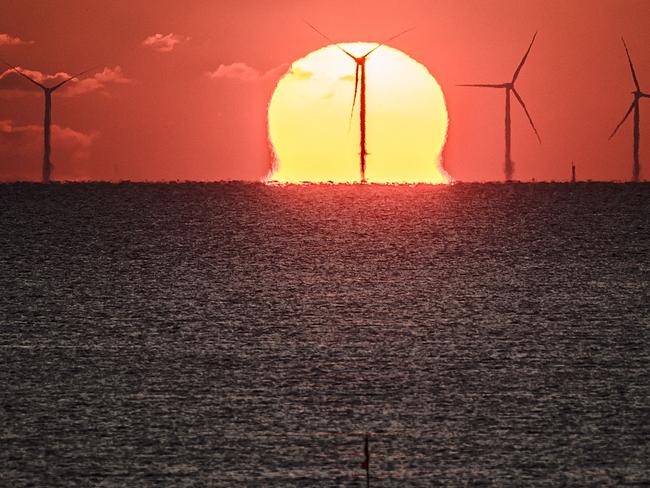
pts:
pixel 193 105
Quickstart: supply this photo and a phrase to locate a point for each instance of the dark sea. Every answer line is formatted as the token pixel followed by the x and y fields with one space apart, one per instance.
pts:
pixel 250 335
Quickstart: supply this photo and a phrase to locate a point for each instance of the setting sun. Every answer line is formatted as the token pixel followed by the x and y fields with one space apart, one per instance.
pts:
pixel 315 140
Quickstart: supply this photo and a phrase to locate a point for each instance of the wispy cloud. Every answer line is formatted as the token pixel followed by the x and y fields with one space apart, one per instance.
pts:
pixel 8 40
pixel 243 72
pixel 164 43
pixel 235 71
pixel 99 81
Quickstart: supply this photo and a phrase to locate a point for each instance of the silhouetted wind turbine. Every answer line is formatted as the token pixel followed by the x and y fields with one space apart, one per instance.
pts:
pixel 47 121
pixel 360 87
pixel 638 95
pixel 510 89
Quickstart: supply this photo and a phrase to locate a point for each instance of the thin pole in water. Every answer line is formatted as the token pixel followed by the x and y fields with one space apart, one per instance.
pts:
pixel 366 462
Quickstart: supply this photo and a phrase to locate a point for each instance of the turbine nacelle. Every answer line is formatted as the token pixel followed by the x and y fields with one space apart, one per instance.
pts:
pixel 359 60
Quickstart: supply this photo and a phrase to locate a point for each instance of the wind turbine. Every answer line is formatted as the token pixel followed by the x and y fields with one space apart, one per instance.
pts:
pixel 511 90
pixel 47 121
pixel 638 95
pixel 360 87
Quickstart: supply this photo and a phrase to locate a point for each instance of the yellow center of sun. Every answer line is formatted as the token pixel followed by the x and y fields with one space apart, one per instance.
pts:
pixel 316 140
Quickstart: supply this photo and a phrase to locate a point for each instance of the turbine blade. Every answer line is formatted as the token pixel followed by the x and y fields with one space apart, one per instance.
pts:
pixel 627 114
pixel 354 100
pixel 387 40
pixel 23 74
pixel 319 32
pixel 59 85
pixel 629 58
pixel 356 60
pixel 328 39
pixel 521 65
pixel 484 85
pixel 530 119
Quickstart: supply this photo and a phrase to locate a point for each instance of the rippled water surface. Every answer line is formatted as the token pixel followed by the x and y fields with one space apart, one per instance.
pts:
pixel 248 335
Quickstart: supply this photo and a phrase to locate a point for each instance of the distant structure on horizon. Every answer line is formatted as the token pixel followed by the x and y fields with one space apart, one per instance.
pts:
pixel 47 120
pixel 511 90
pixel 638 95
pixel 360 87
pixel 573 172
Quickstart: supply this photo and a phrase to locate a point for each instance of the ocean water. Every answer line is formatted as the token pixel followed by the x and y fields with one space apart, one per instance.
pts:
pixel 249 335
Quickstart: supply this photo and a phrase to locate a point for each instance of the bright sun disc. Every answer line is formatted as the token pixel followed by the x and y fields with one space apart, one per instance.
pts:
pixel 314 140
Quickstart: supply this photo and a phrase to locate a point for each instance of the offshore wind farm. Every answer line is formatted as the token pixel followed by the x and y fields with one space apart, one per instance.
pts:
pixel 241 254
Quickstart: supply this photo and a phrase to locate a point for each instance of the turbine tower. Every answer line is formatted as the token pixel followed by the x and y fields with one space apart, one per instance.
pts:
pixel 47 120
pixel 360 88
pixel 638 95
pixel 510 89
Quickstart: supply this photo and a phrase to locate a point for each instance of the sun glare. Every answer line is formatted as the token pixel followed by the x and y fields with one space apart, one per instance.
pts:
pixel 315 140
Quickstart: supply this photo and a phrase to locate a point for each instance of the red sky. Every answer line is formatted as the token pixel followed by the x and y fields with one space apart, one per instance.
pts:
pixel 155 112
